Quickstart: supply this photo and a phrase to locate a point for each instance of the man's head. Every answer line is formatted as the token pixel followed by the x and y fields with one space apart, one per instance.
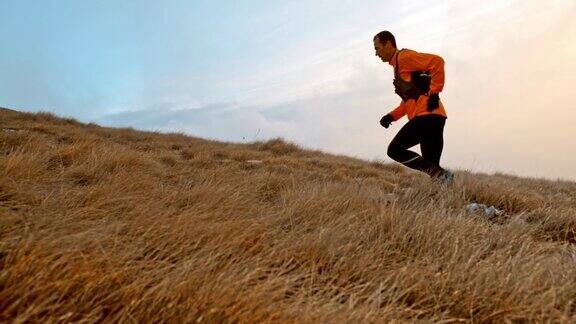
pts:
pixel 385 45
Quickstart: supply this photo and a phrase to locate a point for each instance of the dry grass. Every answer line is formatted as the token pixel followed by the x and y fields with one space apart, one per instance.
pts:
pixel 120 225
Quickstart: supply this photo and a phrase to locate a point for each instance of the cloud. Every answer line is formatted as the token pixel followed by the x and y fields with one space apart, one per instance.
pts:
pixel 345 122
pixel 509 100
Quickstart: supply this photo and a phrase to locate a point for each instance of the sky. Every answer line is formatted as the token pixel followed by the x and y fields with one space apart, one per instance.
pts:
pixel 303 70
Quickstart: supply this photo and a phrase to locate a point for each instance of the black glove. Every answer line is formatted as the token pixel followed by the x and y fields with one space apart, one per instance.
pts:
pixel 433 102
pixel 386 120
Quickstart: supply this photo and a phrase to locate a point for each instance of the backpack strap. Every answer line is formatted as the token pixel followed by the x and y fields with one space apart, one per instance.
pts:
pixel 397 67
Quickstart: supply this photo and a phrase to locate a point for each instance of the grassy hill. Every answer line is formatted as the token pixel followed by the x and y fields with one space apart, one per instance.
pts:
pixel 128 226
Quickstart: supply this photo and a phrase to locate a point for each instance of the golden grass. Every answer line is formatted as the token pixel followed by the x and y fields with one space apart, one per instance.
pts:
pixel 117 225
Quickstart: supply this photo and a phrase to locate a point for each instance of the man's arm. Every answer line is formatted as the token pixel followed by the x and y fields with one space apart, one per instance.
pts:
pixel 399 112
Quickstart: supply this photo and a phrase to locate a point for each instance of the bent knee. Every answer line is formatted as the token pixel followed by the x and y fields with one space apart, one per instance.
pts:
pixel 393 151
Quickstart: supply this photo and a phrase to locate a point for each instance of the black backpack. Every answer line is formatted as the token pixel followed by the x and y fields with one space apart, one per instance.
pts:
pixel 419 83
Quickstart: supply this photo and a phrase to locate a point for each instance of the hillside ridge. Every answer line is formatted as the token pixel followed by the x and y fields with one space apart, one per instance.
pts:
pixel 112 224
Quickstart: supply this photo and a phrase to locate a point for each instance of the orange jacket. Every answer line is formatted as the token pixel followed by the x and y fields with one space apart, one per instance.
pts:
pixel 410 61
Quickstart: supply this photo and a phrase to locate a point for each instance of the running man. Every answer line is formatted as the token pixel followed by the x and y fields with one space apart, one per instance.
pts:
pixel 418 80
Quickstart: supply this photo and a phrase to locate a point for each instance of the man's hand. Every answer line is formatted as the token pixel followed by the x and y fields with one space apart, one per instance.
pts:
pixel 386 120
pixel 433 102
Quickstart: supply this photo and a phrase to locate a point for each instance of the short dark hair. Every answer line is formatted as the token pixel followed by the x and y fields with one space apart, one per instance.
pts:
pixel 386 36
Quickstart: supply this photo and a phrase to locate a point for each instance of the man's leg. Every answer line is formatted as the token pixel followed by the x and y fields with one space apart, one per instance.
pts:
pixel 432 143
pixel 407 137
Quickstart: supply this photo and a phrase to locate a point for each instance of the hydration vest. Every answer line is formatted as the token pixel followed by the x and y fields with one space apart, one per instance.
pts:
pixel 419 83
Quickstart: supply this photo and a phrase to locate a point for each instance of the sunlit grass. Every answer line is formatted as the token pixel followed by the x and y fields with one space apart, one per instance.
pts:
pixel 101 224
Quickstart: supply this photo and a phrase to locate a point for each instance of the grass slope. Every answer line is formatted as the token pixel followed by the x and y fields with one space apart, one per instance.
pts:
pixel 101 224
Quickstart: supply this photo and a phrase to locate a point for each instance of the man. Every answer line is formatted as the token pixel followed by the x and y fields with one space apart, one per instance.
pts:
pixel 418 80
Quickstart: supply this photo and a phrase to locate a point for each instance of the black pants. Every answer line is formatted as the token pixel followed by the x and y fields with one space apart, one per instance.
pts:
pixel 428 131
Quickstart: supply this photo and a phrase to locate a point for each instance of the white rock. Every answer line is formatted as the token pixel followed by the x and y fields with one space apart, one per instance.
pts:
pixel 483 210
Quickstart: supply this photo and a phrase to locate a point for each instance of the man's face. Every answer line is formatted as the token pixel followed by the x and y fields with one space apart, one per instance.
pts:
pixel 383 51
